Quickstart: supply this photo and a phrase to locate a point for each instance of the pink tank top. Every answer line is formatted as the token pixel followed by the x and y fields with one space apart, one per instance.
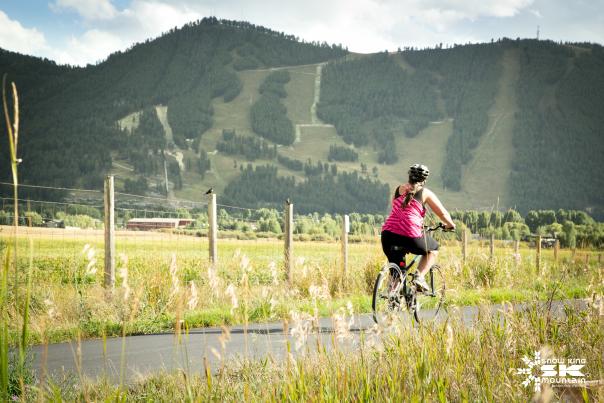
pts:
pixel 406 221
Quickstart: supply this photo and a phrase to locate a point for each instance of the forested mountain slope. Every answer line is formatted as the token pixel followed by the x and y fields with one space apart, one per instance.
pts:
pixel 70 114
pixel 512 123
pixel 552 113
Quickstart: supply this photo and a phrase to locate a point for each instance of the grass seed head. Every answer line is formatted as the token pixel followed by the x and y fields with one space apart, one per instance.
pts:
pixel 192 303
pixel 301 329
pixel 231 291
pixel 174 277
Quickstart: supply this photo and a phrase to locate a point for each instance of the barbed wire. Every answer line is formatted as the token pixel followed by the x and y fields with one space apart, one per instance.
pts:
pixel 53 188
pixel 162 198
pixel 22 185
pixel 238 208
pixel 244 220
pixel 144 210
pixel 50 202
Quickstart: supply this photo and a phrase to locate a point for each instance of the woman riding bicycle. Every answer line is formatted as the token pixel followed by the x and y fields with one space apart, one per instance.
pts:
pixel 403 232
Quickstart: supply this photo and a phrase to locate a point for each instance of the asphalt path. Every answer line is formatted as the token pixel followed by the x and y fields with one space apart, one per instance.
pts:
pixel 128 358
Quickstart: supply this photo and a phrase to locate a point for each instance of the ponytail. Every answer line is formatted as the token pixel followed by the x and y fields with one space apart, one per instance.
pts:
pixel 415 187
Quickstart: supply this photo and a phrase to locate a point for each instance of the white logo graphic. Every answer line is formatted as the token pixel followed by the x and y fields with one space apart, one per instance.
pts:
pixel 554 371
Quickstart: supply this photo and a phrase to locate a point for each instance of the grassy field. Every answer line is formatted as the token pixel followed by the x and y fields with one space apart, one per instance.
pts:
pixel 163 277
pixel 164 280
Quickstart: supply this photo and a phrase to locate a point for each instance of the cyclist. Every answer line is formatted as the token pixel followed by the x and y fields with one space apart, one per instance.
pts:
pixel 403 232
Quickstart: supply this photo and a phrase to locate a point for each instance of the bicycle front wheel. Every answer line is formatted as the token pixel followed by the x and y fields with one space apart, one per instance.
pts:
pixel 429 304
pixel 387 300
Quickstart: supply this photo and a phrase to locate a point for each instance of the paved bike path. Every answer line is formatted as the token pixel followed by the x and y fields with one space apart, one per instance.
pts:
pixel 142 355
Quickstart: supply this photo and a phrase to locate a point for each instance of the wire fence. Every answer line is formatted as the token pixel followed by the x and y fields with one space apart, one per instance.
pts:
pixel 149 230
pixel 152 229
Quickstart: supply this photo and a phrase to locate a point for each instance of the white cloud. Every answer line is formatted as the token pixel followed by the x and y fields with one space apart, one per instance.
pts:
pixel 15 37
pixel 109 30
pixel 361 25
pixel 155 17
pixel 91 47
pixel 472 9
pixel 89 9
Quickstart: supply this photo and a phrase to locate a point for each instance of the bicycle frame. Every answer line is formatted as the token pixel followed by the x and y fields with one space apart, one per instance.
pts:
pixel 410 264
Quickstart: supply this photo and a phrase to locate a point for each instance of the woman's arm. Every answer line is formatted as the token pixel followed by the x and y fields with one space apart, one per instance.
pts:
pixel 438 208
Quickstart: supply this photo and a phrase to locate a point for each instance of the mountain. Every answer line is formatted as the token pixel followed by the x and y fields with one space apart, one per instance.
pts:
pixel 261 116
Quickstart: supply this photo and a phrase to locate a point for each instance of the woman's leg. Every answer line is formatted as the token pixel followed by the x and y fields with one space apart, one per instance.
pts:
pixel 426 262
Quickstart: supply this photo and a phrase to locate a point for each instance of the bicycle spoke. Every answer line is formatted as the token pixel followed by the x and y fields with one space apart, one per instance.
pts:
pixel 386 293
pixel 431 302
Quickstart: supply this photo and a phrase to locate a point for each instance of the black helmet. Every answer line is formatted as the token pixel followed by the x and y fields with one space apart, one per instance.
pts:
pixel 418 173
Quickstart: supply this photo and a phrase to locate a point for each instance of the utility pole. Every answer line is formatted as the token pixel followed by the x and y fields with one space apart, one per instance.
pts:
pixel 109 202
pixel 166 175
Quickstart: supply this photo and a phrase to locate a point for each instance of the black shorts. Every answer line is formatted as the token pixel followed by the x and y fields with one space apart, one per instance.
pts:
pixel 404 245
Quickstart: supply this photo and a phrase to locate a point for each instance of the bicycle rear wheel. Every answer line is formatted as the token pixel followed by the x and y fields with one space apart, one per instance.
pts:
pixel 387 300
pixel 429 304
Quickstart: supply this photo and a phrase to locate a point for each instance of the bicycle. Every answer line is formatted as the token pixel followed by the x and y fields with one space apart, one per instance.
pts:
pixel 395 289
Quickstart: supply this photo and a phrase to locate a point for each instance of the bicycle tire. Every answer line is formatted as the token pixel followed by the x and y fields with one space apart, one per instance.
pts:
pixel 430 303
pixel 387 299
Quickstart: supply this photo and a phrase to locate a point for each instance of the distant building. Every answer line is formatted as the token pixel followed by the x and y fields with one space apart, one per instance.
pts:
pixel 546 241
pixel 51 223
pixel 149 224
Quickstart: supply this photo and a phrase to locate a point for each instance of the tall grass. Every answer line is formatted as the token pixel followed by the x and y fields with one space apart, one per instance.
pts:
pixel 12 128
pixel 443 362
pixel 69 298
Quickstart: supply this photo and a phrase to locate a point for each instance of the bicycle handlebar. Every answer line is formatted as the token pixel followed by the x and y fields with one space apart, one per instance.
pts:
pixel 437 227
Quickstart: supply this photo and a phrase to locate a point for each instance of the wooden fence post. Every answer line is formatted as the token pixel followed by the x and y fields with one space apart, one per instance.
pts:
pixel 492 246
pixel 288 236
pixel 109 202
pixel 464 245
pixel 556 250
pixel 213 229
pixel 574 254
pixel 538 255
pixel 345 230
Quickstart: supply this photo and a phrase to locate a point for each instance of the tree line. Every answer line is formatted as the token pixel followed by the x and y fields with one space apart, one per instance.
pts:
pixel 268 115
pixel 327 192
pixel 249 147
pixel 573 228
pixel 370 98
pixel 339 153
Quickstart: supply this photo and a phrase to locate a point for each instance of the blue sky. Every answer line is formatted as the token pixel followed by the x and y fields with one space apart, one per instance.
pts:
pixel 87 31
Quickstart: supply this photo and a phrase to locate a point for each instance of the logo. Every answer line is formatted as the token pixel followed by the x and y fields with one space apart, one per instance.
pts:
pixel 552 371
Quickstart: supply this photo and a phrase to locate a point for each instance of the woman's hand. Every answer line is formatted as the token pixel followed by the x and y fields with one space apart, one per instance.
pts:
pixel 450 227
pixel 438 208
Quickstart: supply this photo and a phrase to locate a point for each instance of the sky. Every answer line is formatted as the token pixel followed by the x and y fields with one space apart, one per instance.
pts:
pixel 80 32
